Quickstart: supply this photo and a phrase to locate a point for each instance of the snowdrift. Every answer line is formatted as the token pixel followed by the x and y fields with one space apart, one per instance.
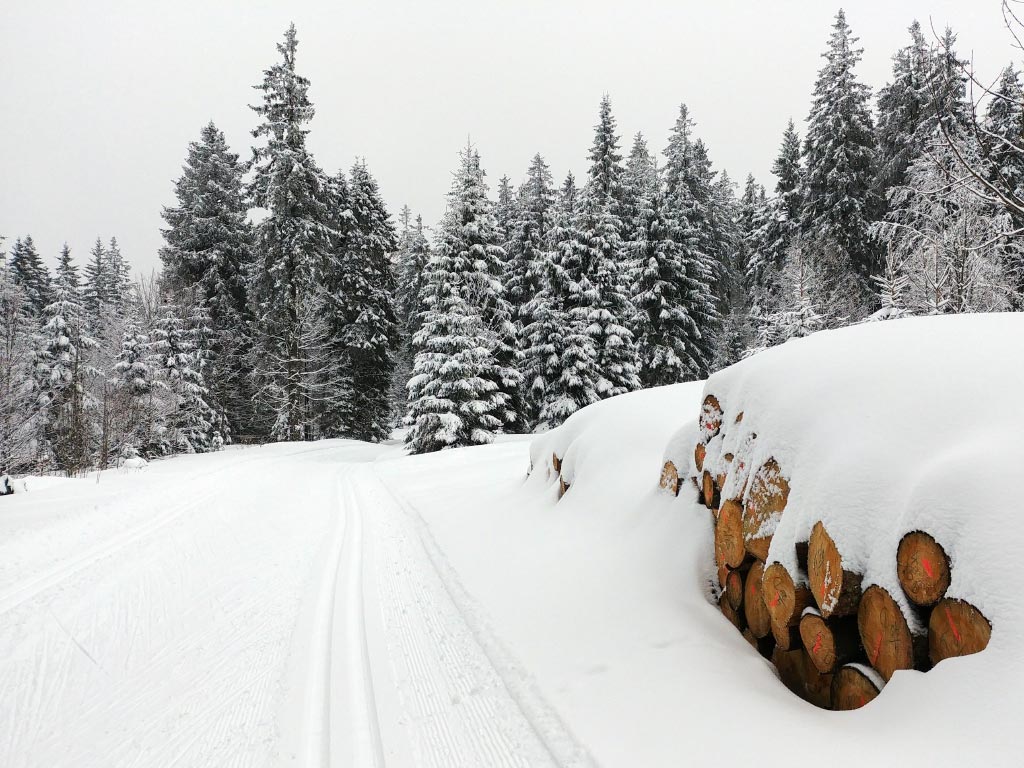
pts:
pixel 868 479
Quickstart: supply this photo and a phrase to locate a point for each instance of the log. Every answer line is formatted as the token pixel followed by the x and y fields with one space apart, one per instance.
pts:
pixel 670 478
pixel 708 490
pixel 786 602
pixel 739 417
pixel 829 644
pixel 817 685
pixel 853 686
pixel 885 635
pixel 923 568
pixel 734 616
pixel 734 589
pixel 749 637
pixel 710 417
pixel 698 456
pixel 790 667
pixel 836 590
pixel 563 487
pixel 769 492
pixel 754 608
pixel 956 628
pixel 556 462
pixel 720 481
pixel 729 548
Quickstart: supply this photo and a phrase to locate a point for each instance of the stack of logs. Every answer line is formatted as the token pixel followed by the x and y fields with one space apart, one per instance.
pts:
pixel 834 643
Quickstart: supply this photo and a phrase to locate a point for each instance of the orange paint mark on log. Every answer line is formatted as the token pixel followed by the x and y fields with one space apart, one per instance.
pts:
pixel 775 601
pixel 817 644
pixel 952 624
pixel 863 700
pixel 878 649
pixel 927 567
pixel 753 587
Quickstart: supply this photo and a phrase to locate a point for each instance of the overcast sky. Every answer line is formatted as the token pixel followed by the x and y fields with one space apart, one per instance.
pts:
pixel 101 98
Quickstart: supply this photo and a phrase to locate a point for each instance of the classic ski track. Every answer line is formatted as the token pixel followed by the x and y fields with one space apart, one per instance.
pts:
pixel 471 705
pixel 24 591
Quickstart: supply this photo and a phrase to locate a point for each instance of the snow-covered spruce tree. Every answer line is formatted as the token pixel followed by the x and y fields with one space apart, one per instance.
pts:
pixel 409 266
pixel 290 244
pixel 527 254
pixel 362 292
pixel 68 427
pixel 97 285
pixel 838 200
pixel 20 411
pixel 665 327
pixel 465 384
pixel 639 185
pixel 30 273
pixel 689 221
pixel 740 227
pixel 506 209
pixel 606 263
pixel 561 357
pixel 132 380
pixel 208 255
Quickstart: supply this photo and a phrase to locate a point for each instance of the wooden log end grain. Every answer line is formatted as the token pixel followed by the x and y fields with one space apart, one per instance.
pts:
pixel 853 686
pixel 563 487
pixel 670 478
pixel 729 547
pixel 769 492
pixel 734 589
pixel 956 628
pixel 754 608
pixel 708 490
pixel 785 600
pixel 884 633
pixel 829 644
pixel 710 417
pixel 556 462
pixel 836 591
pixel 923 568
pixel 699 453
pixel 734 616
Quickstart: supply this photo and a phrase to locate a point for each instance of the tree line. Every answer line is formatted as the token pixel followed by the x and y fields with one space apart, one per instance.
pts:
pixel 290 306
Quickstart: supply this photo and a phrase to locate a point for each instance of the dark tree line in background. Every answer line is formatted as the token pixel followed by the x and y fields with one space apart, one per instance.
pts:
pixel 290 307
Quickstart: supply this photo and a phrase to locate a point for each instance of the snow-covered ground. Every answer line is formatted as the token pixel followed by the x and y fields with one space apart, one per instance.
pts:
pixel 342 604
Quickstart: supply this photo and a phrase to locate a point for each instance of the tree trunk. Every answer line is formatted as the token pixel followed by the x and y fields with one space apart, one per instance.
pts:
pixel 853 686
pixel 956 628
pixel 885 635
pixel 829 644
pixel 837 591
pixel 923 568
pixel 729 548
pixel 765 504
pixel 754 608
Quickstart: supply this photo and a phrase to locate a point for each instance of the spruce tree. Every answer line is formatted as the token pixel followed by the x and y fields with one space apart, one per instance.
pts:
pixel 133 382
pixel 20 411
pixel 839 152
pixel 29 272
pixel 410 263
pixel 606 263
pixel 207 257
pixel 97 284
pixel 1003 148
pixel 291 243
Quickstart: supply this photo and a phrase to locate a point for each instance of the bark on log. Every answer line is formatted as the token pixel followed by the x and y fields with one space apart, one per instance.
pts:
pixel 852 688
pixel 710 417
pixel 754 608
pixel 734 616
pixel 923 568
pixel 734 589
pixel 729 548
pixel 885 635
pixel 956 628
pixel 670 478
pixel 837 591
pixel 786 602
pixel 698 456
pixel 829 644
pixel 769 492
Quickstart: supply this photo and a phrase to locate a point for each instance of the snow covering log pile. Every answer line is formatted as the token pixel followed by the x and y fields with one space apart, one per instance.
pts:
pixel 861 483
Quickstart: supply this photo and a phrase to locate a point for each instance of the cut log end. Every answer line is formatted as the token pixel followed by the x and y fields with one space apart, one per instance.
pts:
pixel 709 491
pixel 563 487
pixel 785 600
pixel 556 462
pixel 769 492
pixel 836 591
pixel 852 688
pixel 670 478
pixel 923 568
pixel 884 633
pixel 729 548
pixel 710 417
pixel 734 616
pixel 829 644
pixel 754 608
pixel 956 628
pixel 734 589
pixel 699 453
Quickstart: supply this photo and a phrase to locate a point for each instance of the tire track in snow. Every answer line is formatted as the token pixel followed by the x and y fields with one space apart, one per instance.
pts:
pixel 468 702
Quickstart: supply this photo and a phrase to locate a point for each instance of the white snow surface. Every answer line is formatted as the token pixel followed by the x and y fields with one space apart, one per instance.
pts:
pixel 340 604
